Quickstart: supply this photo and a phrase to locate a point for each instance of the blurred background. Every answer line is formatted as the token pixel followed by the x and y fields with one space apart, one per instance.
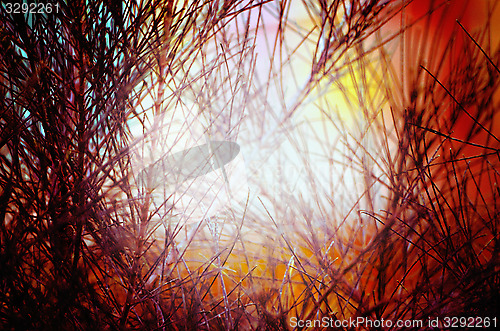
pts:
pixel 364 184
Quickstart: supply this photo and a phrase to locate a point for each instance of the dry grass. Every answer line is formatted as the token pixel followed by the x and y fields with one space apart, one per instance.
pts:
pixel 366 185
